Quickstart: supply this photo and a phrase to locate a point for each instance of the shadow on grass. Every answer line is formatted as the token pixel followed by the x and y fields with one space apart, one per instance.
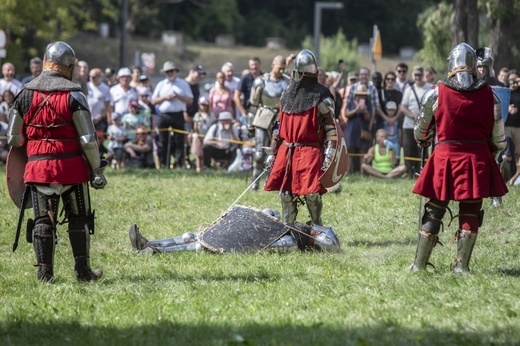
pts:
pixel 364 243
pixel 509 271
pixel 248 333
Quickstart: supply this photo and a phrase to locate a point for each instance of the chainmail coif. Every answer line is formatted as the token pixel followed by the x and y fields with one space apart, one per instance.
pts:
pixel 303 94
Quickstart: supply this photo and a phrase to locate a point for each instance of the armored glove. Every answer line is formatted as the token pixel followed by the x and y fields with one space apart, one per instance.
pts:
pixel 330 151
pixel 269 162
pixel 98 180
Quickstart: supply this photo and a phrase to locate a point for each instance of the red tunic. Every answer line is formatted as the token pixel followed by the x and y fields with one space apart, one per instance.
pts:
pixel 297 169
pixel 464 167
pixel 51 132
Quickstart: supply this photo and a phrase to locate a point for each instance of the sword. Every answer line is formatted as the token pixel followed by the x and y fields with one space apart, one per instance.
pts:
pixel 25 195
pixel 248 188
pixel 423 159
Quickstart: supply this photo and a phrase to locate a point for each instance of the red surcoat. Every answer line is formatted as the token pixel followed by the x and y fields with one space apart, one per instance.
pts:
pixel 298 162
pixel 462 166
pixel 52 142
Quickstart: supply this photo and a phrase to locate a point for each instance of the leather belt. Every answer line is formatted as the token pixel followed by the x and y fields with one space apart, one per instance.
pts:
pixel 53 157
pixel 303 144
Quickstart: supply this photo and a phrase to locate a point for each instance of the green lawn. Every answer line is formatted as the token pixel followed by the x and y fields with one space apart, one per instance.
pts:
pixel 362 296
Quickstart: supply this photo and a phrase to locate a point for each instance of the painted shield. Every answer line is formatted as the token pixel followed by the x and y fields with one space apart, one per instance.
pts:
pixel 15 168
pixel 504 94
pixel 339 165
pixel 242 230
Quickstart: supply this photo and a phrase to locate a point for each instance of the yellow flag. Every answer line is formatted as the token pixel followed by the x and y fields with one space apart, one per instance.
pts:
pixel 377 49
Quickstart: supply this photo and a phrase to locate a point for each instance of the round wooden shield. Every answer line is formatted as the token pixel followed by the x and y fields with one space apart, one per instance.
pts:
pixel 15 168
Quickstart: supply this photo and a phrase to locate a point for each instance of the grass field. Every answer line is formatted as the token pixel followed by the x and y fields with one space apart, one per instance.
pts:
pixel 362 296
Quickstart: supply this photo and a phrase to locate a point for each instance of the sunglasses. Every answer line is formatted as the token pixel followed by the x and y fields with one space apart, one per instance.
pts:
pixel 390 79
pixel 512 82
pixel 401 71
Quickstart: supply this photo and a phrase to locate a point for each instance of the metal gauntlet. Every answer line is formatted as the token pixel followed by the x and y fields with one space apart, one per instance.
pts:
pixel 498 137
pixel 330 152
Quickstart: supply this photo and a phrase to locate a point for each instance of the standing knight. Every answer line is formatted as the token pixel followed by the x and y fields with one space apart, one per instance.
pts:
pixel 50 122
pixel 465 114
pixel 264 105
pixel 304 141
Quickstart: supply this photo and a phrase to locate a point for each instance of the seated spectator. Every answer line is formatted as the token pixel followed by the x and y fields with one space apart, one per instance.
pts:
pixel 139 150
pixel 380 160
pixel 218 144
pixel 116 139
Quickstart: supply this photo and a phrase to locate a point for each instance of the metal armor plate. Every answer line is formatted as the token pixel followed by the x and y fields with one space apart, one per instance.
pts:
pixel 242 230
pixel 15 168
pixel 339 164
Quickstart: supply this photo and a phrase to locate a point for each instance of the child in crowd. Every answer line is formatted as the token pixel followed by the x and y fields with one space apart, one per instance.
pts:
pixel 132 120
pixel 380 160
pixel 202 120
pixel 117 137
pixel 391 126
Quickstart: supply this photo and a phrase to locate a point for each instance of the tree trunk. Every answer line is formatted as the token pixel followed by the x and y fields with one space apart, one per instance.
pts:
pixel 464 23
pixel 500 25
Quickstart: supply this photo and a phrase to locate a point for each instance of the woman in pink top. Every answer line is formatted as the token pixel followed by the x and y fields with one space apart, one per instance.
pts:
pixel 220 97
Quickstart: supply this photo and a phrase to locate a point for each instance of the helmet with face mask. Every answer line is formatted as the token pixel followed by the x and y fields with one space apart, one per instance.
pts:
pixel 462 65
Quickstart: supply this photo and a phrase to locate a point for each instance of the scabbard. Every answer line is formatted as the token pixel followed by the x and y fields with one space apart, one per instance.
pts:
pixel 23 204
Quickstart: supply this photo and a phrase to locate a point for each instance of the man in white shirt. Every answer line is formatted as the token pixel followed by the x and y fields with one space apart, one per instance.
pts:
pixel 122 93
pixel 98 99
pixel 171 97
pixel 218 143
pixel 410 107
pixel 9 82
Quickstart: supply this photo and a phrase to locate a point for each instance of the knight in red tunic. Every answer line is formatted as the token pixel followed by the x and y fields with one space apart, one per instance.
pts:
pixel 463 114
pixel 50 118
pixel 303 142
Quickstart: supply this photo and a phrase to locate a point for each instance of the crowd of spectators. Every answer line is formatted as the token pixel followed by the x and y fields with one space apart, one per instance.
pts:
pixel 181 124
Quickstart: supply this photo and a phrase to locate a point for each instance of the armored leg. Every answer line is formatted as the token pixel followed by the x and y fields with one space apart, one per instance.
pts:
pixel 289 208
pixel 44 233
pixel 315 206
pixel 465 243
pixel 470 218
pixel 77 208
pixel 434 211
pixel 139 242
pixel 261 139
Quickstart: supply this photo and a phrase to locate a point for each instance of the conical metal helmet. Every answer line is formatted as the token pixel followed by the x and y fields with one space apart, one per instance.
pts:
pixel 462 56
pixel 305 62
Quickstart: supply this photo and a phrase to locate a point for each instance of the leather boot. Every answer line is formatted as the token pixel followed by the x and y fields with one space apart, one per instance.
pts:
pixel 315 206
pixel 289 208
pixel 44 240
pixel 137 240
pixel 80 242
pixel 465 243
pixel 425 245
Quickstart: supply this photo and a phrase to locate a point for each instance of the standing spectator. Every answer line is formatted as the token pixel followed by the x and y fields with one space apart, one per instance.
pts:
pixel 221 97
pixel 243 92
pixel 352 78
pixel 465 114
pixel 193 78
pixel 171 97
pixel 83 70
pixel 9 82
pixel 122 93
pixel 52 107
pixel 380 161
pixel 136 75
pixel 512 124
pixel 430 75
pixel 306 128
pixel 98 99
pixel 231 81
pixel 202 121
pixel 402 81
pixel 393 117
pixel 147 109
pixel 411 106
pixel 502 75
pixel 357 135
pixel 36 66
pixel 377 119
pixel 110 77
pixel 116 138
pixel 218 144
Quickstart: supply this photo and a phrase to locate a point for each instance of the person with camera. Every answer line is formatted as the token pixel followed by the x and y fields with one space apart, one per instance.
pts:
pixel 380 160
pixel 50 122
pixel 219 142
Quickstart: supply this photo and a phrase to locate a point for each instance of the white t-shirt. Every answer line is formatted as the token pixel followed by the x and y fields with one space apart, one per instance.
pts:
pixel 410 101
pixel 97 97
pixel 121 99
pixel 15 86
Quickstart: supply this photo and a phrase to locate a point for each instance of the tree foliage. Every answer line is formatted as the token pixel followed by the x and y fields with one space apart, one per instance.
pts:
pixel 334 48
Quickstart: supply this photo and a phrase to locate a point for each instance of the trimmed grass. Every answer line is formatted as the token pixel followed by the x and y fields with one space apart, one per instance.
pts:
pixel 362 296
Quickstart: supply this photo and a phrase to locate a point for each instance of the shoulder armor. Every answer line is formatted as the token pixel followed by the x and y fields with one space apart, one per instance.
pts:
pixel 15 136
pixel 424 121
pixel 259 81
pixel 80 97
pixel 326 106
pixel 498 106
